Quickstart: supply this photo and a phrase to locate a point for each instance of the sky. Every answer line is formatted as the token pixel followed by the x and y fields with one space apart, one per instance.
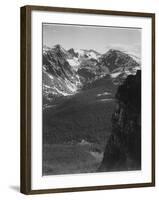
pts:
pixel 98 38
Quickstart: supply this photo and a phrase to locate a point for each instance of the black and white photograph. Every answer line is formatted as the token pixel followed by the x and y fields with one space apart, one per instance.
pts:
pixel 91 99
pixel 87 99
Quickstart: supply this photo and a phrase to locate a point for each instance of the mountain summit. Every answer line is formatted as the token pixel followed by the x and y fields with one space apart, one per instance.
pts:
pixel 67 71
pixel 114 59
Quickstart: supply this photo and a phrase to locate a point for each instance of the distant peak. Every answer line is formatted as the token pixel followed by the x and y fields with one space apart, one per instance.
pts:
pixel 71 50
pixel 114 50
pixel 57 46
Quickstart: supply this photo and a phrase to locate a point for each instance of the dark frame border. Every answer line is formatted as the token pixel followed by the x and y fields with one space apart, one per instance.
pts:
pixel 25 90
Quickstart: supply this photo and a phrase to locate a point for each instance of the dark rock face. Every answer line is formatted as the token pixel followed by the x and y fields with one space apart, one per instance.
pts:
pixel 114 59
pixel 56 64
pixel 123 149
pixel 59 78
pixel 73 53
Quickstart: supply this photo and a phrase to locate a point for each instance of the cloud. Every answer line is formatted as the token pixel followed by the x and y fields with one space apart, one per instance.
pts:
pixel 134 49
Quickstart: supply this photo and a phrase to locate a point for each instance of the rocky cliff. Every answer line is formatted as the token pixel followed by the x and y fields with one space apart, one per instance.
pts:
pixel 65 72
pixel 123 149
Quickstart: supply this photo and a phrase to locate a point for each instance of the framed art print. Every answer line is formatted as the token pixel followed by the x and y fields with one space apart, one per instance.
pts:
pixel 87 99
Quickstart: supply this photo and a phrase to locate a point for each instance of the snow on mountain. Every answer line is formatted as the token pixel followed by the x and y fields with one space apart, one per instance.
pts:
pixel 136 58
pixel 77 56
pixel 84 53
pixel 74 62
pixel 114 59
pixel 115 75
pixel 59 77
pixel 80 52
pixel 89 54
pixel 45 49
pixel 65 72
pixel 93 55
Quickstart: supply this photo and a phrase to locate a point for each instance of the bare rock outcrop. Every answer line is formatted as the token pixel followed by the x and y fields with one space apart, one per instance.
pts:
pixel 123 149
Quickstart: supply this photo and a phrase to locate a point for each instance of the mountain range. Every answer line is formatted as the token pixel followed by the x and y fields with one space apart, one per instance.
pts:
pixel 65 72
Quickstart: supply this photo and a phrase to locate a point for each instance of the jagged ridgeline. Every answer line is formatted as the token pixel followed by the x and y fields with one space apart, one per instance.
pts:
pixel 123 150
pixel 67 71
pixel 80 80
pixel 81 130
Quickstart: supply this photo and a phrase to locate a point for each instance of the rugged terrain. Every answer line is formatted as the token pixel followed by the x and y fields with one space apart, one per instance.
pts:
pixel 123 149
pixel 79 88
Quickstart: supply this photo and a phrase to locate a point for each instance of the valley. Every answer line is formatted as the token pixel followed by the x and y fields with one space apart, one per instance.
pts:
pixel 76 131
pixel 79 89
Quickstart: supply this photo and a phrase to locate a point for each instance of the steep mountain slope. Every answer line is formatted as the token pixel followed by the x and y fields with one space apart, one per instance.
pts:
pixel 123 149
pixel 114 59
pixel 66 72
pixel 84 53
pixel 120 65
pixel 61 70
pixel 59 78
pixel 78 102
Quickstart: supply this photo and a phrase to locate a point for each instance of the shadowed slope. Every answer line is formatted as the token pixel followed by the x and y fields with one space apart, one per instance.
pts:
pixel 123 150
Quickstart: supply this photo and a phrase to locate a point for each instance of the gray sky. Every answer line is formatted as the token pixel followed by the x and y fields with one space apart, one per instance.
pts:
pixel 88 37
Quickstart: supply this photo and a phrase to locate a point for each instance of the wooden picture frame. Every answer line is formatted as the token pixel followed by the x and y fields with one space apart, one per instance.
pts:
pixel 26 101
